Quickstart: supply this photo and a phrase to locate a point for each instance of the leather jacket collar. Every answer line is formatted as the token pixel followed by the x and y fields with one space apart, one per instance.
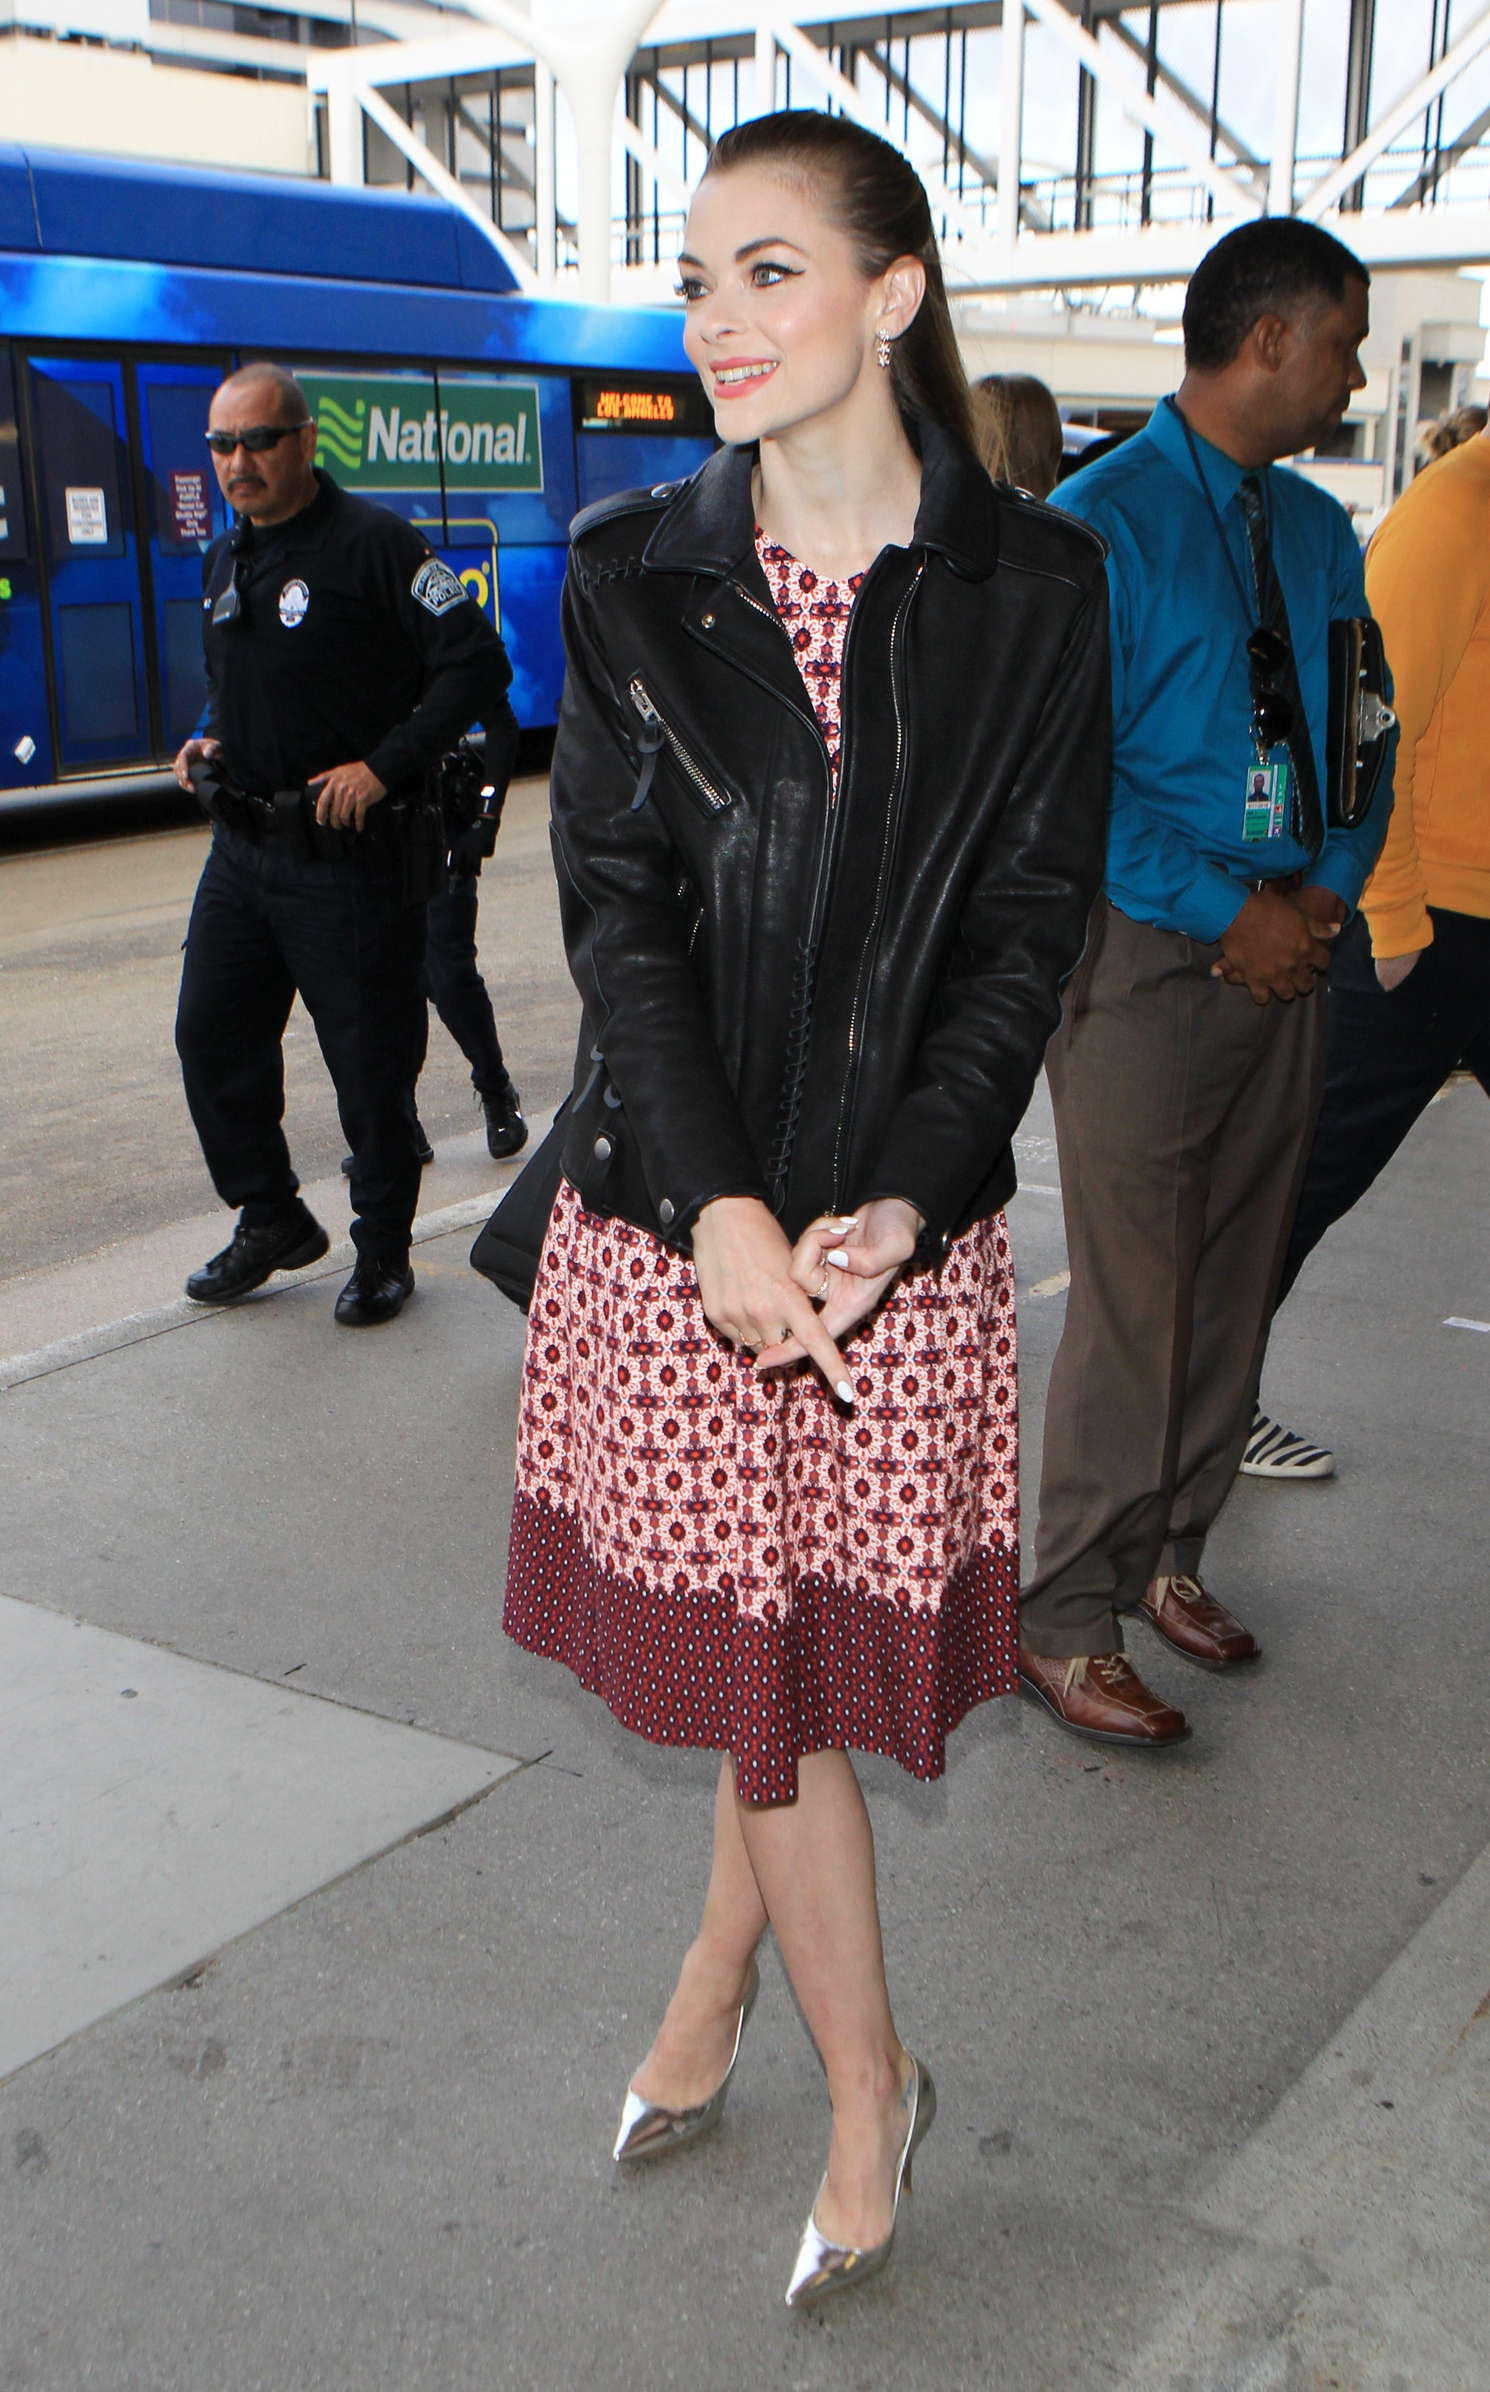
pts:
pixel 710 527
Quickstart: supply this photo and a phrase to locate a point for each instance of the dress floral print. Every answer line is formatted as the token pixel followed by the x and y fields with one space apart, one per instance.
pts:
pixel 754 1566
pixel 815 613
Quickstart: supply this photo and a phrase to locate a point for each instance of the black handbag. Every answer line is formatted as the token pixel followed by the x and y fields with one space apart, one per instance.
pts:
pixel 506 1250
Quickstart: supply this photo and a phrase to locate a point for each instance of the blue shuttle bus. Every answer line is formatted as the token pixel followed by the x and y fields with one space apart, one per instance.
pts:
pixel 128 290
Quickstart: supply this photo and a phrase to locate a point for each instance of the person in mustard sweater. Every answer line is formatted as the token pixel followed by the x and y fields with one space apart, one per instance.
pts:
pixel 1409 988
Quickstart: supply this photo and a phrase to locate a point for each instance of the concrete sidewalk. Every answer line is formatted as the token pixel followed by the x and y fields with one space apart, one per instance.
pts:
pixel 1209 2029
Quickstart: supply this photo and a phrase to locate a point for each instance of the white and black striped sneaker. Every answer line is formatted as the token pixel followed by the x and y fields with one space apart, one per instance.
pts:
pixel 1272 1451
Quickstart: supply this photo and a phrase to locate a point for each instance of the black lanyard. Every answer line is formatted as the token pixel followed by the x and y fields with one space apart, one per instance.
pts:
pixel 1253 613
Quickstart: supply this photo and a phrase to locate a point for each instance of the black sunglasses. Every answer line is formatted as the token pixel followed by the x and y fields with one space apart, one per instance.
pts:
pixel 257 438
pixel 1272 708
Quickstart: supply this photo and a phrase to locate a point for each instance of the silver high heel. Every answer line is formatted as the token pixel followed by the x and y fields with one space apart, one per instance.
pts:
pixel 647 2129
pixel 823 2267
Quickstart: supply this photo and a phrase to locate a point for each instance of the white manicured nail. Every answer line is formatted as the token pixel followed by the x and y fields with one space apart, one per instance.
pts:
pixel 845 1392
pixel 837 1259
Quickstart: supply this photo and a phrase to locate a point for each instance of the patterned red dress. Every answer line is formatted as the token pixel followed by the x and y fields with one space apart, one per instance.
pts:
pixel 756 1567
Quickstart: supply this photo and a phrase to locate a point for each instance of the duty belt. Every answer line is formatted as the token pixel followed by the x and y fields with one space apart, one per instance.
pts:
pixel 288 814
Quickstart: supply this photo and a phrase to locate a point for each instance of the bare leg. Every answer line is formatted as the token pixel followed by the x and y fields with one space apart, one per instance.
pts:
pixel 693 2043
pixel 807 1869
pixel 813 1862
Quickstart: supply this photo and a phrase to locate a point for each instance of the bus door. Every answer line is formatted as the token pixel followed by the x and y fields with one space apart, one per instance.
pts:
pixel 90 555
pixel 182 512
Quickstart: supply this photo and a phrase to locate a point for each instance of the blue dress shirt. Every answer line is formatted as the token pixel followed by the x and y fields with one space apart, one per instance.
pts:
pixel 1181 697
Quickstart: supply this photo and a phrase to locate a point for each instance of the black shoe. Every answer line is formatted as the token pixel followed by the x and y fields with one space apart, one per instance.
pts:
pixel 373 1293
pixel 418 1138
pixel 247 1261
pixel 506 1130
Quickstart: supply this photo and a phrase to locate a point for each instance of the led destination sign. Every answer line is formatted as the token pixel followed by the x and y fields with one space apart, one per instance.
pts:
pixel 610 403
pixel 636 406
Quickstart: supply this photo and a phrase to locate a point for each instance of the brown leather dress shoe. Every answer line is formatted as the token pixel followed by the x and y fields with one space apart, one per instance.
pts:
pixel 1193 1623
pixel 1101 1695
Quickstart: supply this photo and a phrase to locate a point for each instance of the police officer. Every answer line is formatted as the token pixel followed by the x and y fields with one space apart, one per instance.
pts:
pixel 452 972
pixel 342 660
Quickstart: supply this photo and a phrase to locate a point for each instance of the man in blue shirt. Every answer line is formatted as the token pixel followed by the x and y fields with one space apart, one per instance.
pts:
pixel 1185 1073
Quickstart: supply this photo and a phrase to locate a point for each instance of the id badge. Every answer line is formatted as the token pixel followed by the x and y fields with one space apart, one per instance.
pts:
pixel 1265 799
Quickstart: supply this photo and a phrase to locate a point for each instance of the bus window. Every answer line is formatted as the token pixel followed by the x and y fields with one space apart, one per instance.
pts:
pixel 633 431
pixel 186 514
pixel 92 570
pixel 82 441
pixel 509 453
pixel 510 492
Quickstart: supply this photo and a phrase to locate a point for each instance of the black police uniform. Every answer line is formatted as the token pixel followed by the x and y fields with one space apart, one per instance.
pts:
pixel 452 973
pixel 334 638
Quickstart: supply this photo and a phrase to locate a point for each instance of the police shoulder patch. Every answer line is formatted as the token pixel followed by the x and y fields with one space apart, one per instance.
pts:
pixel 436 587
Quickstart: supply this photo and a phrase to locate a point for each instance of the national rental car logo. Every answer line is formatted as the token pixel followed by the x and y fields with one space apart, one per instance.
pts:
pixel 388 432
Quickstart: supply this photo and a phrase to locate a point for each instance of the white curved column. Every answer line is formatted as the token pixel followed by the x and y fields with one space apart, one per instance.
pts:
pixel 587 45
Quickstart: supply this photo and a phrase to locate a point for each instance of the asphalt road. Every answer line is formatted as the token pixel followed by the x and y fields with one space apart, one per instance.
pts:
pixel 1210 2029
pixel 98 1145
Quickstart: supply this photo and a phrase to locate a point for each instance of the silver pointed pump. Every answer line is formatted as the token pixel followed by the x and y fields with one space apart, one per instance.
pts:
pixel 822 2267
pixel 648 2130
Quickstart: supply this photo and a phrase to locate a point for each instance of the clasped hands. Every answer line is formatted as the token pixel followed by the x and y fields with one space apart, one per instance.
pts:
pixel 786 1304
pixel 1279 944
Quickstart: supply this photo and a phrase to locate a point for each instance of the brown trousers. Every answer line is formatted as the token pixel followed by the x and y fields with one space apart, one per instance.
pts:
pixel 1183 1113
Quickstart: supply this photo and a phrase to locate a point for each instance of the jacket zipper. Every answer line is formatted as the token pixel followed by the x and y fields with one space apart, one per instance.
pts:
pixel 783 1144
pixel 717 800
pixel 892 828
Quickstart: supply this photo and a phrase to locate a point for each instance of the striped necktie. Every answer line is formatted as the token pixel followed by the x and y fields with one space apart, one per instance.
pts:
pixel 1307 823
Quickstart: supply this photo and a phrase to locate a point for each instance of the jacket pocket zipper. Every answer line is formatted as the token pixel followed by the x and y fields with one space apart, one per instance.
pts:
pixel 887 857
pixel 715 799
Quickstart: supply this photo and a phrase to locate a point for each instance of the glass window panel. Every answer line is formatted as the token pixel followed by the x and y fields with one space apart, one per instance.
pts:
pixel 185 500
pixel 80 465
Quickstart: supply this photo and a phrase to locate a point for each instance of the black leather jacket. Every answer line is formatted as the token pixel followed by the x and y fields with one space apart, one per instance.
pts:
pixel 812 1003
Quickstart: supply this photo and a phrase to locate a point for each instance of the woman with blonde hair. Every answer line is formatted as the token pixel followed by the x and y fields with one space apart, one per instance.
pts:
pixel 828 803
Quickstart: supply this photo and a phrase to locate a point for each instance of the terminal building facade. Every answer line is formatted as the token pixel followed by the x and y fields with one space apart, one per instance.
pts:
pixel 461 224
pixel 1081 154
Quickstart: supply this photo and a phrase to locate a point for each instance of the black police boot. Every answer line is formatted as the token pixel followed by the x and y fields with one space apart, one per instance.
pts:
pixel 376 1291
pixel 506 1130
pixel 252 1254
pixel 419 1138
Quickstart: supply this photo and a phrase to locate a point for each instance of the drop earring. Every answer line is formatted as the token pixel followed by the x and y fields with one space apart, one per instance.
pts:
pixel 882 348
